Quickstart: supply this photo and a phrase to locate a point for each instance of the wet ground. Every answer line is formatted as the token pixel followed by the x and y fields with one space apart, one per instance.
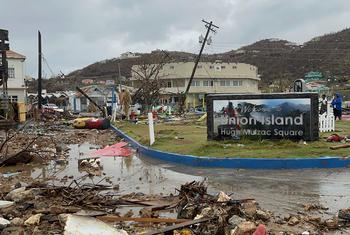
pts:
pixel 281 191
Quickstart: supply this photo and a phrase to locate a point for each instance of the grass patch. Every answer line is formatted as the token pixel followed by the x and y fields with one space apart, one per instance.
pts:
pixel 191 138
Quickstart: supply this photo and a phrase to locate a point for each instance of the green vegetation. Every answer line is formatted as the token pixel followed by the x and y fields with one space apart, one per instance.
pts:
pixel 191 138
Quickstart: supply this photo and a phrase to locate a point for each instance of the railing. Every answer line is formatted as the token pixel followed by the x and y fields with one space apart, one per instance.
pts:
pixel 326 122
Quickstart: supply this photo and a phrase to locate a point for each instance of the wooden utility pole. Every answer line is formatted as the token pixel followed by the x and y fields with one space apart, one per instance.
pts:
pixel 39 72
pixel 209 26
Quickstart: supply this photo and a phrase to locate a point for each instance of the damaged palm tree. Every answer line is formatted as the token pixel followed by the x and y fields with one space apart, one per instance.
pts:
pixel 146 77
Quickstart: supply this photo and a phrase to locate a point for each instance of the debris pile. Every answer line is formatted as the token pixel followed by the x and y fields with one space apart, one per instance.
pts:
pixel 50 209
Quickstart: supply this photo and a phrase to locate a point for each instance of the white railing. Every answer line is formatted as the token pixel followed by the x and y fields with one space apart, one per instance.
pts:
pixel 326 122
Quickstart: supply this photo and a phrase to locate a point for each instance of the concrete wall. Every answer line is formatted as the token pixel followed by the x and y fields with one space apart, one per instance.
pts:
pixel 18 66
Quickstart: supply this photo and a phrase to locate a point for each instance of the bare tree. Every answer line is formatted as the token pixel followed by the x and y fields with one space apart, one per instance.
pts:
pixel 147 78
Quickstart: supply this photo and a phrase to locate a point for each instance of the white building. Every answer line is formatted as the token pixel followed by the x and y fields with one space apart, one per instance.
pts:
pixel 218 77
pixel 15 84
pixel 128 55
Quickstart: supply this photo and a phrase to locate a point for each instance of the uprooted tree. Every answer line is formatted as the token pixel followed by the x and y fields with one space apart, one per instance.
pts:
pixel 148 79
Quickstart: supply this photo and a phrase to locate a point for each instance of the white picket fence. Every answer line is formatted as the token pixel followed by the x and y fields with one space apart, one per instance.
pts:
pixel 326 122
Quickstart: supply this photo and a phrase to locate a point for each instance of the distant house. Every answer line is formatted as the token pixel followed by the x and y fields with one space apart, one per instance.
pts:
pixel 316 82
pixel 87 81
pixel 110 82
pixel 15 83
pixel 98 93
pixel 313 76
pixel 127 55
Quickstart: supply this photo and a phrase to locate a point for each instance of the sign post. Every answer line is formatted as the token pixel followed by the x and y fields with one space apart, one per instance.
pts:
pixel 151 128
pixel 263 116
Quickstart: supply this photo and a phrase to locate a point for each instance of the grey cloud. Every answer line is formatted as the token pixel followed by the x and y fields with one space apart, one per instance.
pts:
pixel 79 32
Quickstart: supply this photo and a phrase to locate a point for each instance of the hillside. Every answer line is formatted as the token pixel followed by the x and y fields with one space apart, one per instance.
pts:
pixel 279 61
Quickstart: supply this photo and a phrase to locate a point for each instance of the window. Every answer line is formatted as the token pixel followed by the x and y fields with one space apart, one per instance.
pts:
pixel 13 98
pixel 11 72
pixel 196 83
pixel 223 66
pixel 211 66
pixel 168 84
pixel 208 83
pixel 225 83
pixel 234 67
pixel 236 83
pixel 199 66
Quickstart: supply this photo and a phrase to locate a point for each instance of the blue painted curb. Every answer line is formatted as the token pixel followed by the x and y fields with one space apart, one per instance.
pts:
pixel 241 163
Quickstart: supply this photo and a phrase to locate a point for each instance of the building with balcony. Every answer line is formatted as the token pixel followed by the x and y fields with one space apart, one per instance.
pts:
pixel 217 77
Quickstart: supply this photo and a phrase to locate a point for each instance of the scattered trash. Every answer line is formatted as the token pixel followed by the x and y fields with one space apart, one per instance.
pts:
pixel 223 197
pixel 340 146
pixel 5 204
pixel 344 214
pixel 8 175
pixel 33 220
pixel 261 230
pixel 315 206
pixel 117 149
pixel 76 224
pixel 91 123
pixel 335 138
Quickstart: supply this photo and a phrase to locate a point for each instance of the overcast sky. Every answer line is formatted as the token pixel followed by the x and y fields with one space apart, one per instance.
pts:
pixel 76 33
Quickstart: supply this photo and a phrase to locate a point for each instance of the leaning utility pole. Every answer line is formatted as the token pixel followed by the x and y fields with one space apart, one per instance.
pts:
pixel 39 72
pixel 209 26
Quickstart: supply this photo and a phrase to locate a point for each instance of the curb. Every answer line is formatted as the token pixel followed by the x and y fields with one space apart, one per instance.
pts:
pixel 236 163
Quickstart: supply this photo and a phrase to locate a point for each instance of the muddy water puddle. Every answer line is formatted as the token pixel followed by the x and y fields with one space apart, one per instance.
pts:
pixel 130 174
pixel 282 191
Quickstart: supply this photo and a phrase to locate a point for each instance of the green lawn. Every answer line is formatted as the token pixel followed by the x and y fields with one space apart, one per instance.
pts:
pixel 191 138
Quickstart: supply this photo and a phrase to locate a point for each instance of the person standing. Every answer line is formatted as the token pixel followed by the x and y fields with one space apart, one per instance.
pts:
pixel 324 102
pixel 337 106
pixel 125 101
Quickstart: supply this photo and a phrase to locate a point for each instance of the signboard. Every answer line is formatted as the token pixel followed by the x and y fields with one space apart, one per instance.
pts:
pixel 271 116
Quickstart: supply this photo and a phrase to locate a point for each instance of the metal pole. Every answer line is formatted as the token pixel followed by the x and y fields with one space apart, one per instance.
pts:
pixel 4 75
pixel 39 72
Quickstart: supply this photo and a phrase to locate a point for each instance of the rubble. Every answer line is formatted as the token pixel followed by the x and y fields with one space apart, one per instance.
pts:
pixel 293 221
pixel 4 223
pixel 33 220
pixel 344 214
pixel 244 228
pixel 5 204
pixel 235 220
pixel 17 221
pixel 331 223
pixel 91 226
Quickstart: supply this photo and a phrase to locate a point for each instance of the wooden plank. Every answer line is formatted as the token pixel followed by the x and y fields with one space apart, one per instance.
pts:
pixel 340 146
pixel 177 226
pixel 113 218
pixel 153 203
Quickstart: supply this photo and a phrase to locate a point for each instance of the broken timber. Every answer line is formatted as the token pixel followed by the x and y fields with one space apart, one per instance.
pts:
pixel 168 229
pixel 112 218
pixel 340 146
